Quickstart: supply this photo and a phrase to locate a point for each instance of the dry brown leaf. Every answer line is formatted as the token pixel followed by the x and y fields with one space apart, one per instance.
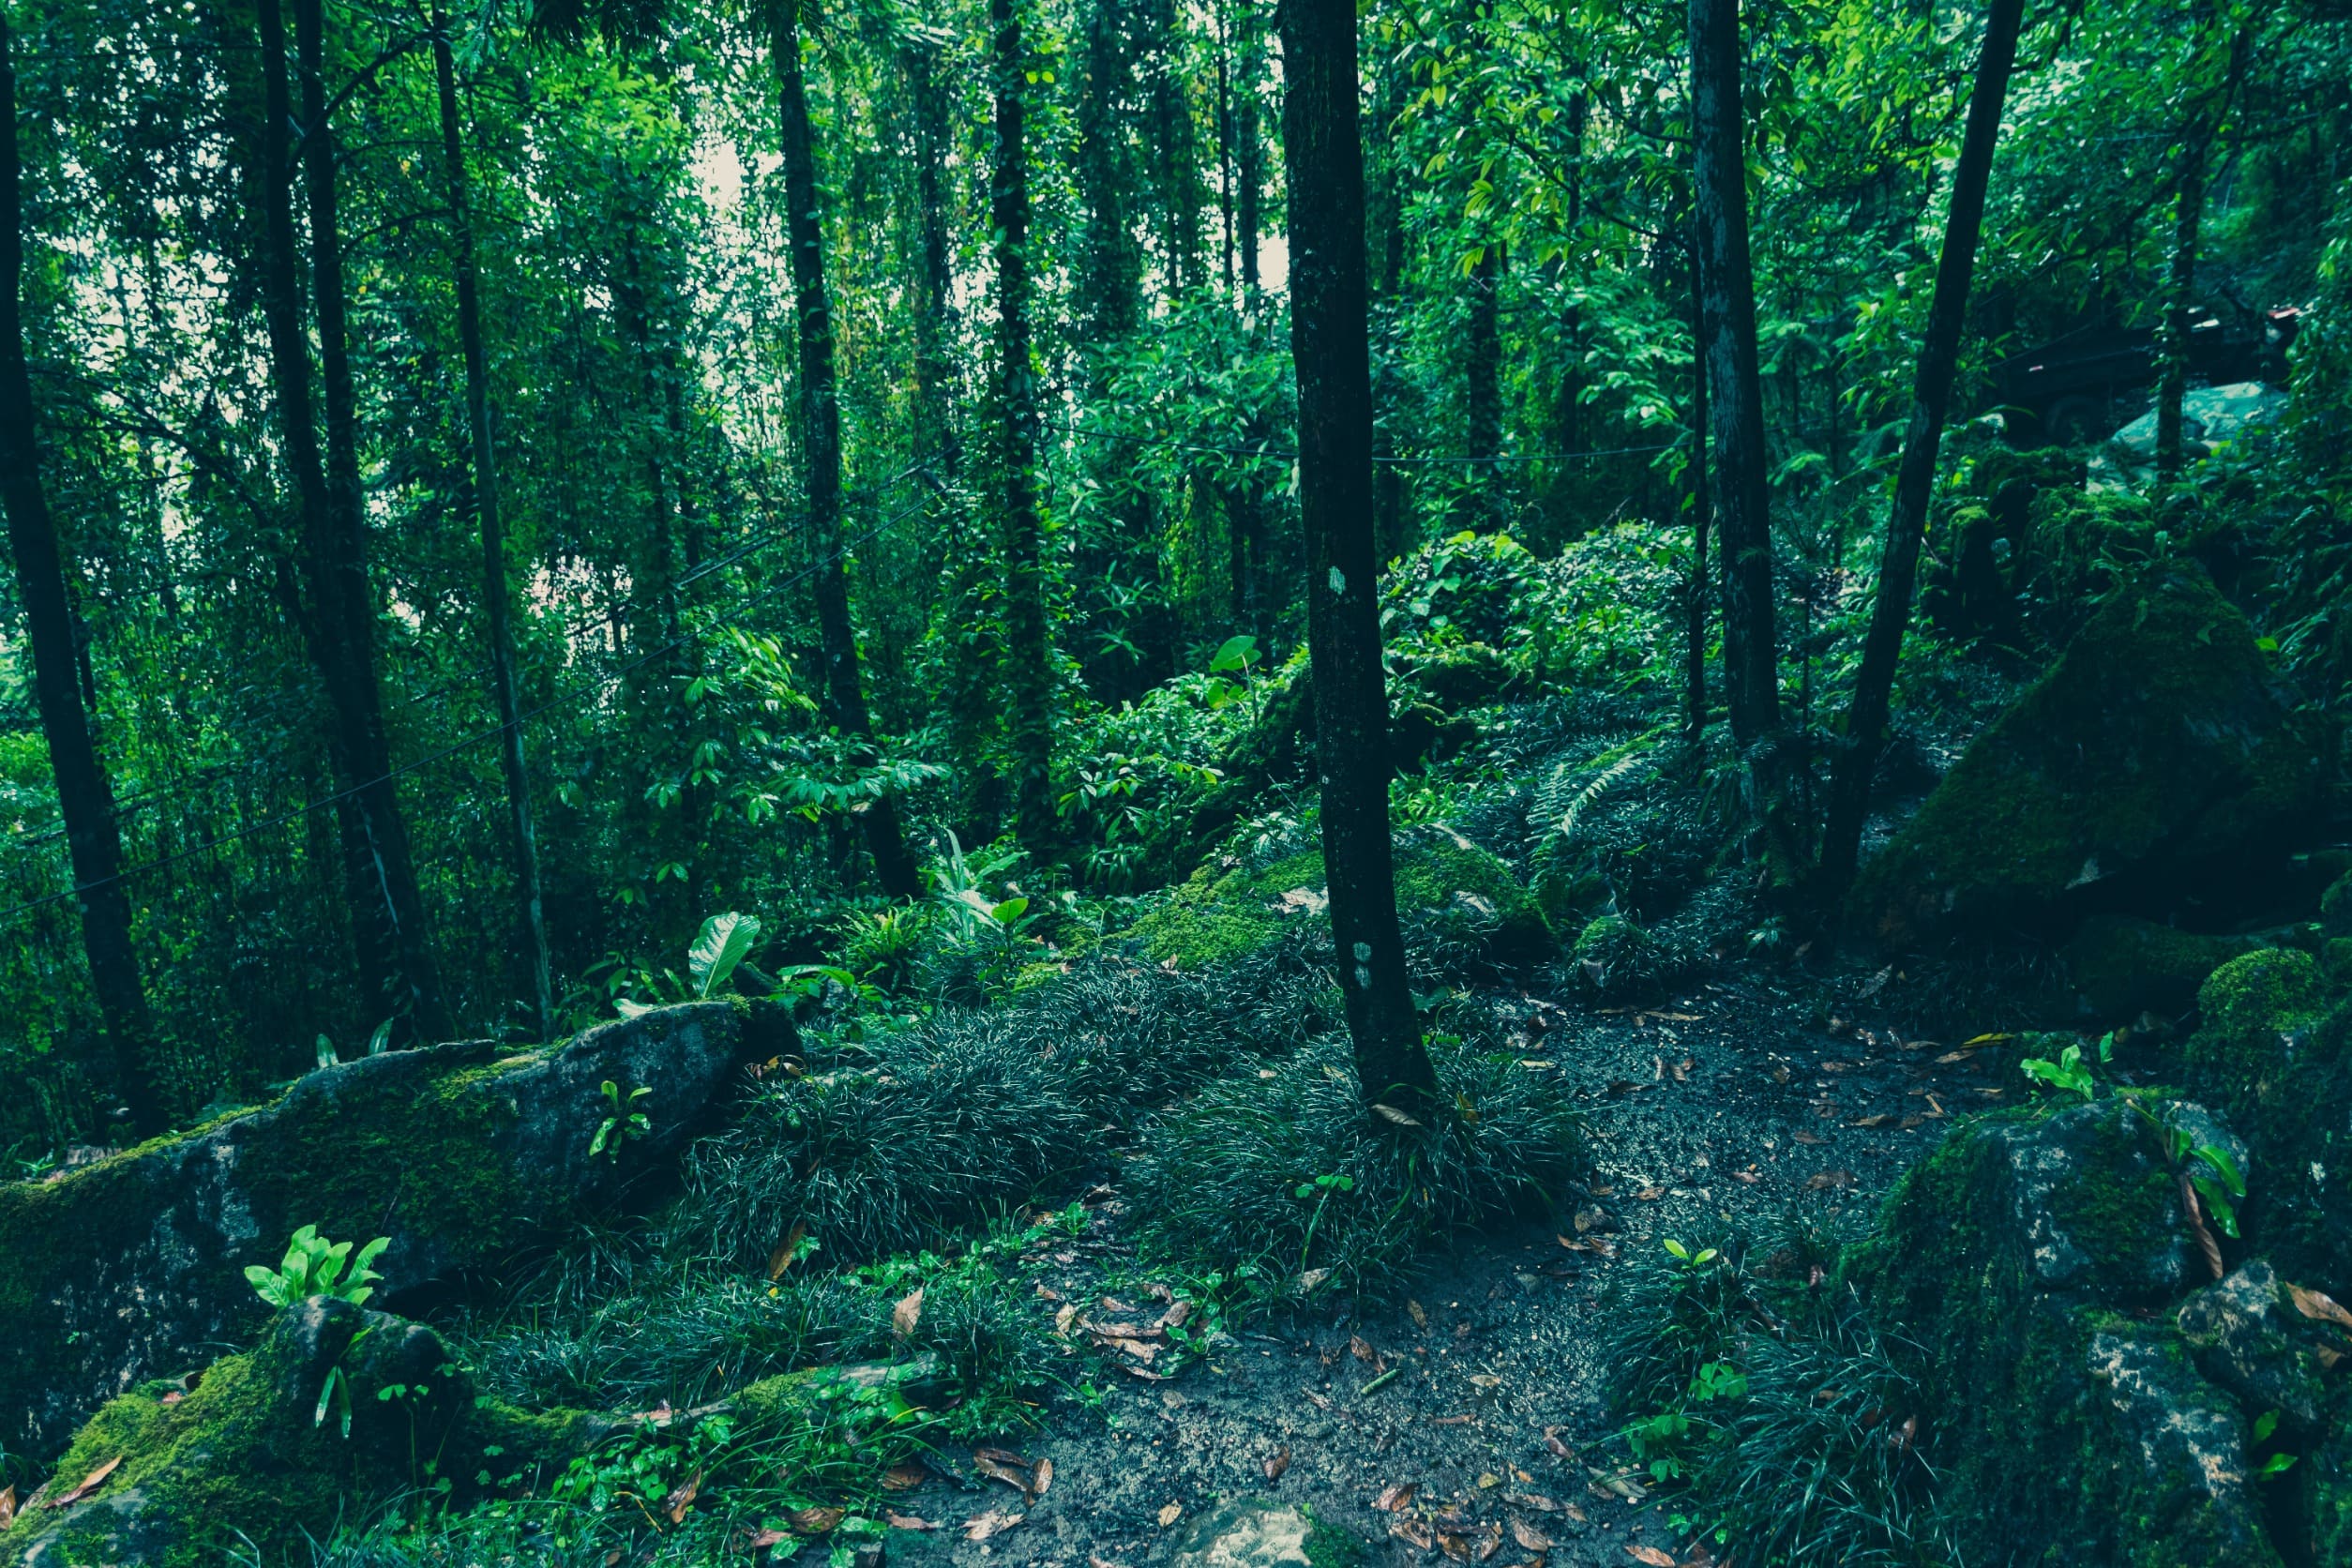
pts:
pixel 1910 1122
pixel 2198 1228
pixel 1419 1314
pixel 1574 1511
pixel 2329 1356
pixel 1015 1476
pixel 1553 1442
pixel 1935 1110
pixel 1649 1194
pixel 1826 1181
pixel 1457 1547
pixel 1095 1559
pixel 1177 1315
pixel 1276 1463
pixel 907 1313
pixel 1491 1541
pixel 1536 1500
pixel 1044 1478
pixel 1751 1175
pixel 2319 1306
pixel 1310 1279
pixel 1395 1499
pixel 903 1478
pixel 897 1520
pixel 1683 1069
pixel 1063 1319
pixel 786 1250
pixel 7 1507
pixel 173 1397
pixel 1412 1531
pixel 1390 1114
pixel 1529 1537
pixel 1171 1512
pixel 1810 1138
pixel 682 1497
pixel 760 1541
pixel 1651 1555
pixel 90 1482
pixel 1879 1120
pixel 816 1521
pixel 980 1527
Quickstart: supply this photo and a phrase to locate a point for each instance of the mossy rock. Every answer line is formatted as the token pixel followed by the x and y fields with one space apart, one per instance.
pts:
pixel 2273 1059
pixel 245 1460
pixel 2021 1258
pixel 1462 903
pixel 132 1268
pixel 1615 957
pixel 2123 967
pixel 2335 908
pixel 2160 759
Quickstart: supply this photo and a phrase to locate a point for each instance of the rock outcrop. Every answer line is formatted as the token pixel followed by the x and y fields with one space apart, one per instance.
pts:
pixel 132 1268
pixel 2157 762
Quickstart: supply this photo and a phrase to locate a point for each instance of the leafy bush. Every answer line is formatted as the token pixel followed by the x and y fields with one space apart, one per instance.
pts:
pixel 314 1266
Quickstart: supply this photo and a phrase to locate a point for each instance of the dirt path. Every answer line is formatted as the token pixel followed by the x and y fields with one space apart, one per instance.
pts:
pixel 1730 1108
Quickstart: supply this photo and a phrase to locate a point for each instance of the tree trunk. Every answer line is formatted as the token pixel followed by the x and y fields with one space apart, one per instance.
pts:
pixel 934 322
pixel 495 601
pixel 1331 346
pixel 1027 653
pixel 341 631
pixel 1695 594
pixel 1483 393
pixel 1111 267
pixel 1736 396
pixel 1915 483
pixel 1249 145
pixel 820 450
pixel 84 798
pixel 1172 135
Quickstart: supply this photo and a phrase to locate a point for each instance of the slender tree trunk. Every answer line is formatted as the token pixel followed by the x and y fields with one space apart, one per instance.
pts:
pixel 1695 592
pixel 1028 651
pixel 1330 344
pixel 821 449
pixel 1389 499
pixel 2172 384
pixel 1172 136
pixel 496 604
pixel 1915 483
pixel 1483 392
pixel 1110 266
pixel 342 630
pixel 1249 145
pixel 1736 396
pixel 935 321
pixel 84 798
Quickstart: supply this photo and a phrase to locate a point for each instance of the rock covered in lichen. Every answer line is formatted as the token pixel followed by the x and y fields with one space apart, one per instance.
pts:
pixel 2159 757
pixel 133 1268
pixel 335 1410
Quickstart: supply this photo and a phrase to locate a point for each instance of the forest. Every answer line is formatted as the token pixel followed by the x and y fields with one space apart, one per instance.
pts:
pixel 1196 783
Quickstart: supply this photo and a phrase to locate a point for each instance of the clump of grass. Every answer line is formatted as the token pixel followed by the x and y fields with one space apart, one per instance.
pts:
pixel 1681 1309
pixel 1283 1180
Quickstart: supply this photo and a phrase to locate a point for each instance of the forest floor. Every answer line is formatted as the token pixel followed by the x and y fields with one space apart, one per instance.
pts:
pixel 1748 1107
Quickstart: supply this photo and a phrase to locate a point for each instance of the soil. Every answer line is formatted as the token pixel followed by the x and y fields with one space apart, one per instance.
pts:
pixel 1738 1107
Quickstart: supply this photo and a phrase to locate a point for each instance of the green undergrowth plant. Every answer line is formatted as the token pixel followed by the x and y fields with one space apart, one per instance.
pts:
pixel 1281 1177
pixel 314 1266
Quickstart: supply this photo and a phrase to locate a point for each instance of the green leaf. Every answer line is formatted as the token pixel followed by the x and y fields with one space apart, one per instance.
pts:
pixel 725 942
pixel 1238 652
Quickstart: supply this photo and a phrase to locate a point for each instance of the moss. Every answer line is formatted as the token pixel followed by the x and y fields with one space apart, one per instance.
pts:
pixel 2260 990
pixel 2125 967
pixel 2119 1200
pixel 1329 1546
pixel 2335 907
pixel 2158 752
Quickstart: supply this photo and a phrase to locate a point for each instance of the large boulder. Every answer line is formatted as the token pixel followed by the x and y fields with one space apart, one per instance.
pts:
pixel 2160 760
pixel 2029 1258
pixel 132 1268
pixel 336 1408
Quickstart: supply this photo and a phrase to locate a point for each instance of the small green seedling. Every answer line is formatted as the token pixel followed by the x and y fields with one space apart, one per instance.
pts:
pixel 314 1266
pixel 624 1122
pixel 2070 1072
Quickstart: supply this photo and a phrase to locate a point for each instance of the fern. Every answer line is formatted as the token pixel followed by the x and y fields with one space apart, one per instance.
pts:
pixel 1601 782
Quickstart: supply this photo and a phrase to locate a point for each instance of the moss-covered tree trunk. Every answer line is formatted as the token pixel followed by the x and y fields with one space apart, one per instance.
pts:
pixel 1703 506
pixel 1931 400
pixel 1331 345
pixel 84 797
pixel 821 447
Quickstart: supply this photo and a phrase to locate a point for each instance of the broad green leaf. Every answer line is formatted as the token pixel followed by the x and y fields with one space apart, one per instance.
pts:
pixel 725 942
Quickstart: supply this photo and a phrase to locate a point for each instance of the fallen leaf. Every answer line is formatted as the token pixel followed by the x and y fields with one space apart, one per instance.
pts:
pixel 1412 1531
pixel 1553 1442
pixel 1649 1194
pixel 1683 1069
pixel 1390 1114
pixel 1395 1499
pixel 2319 1306
pixel 1096 1560
pixel 1011 1468
pixel 90 1482
pixel 1063 1319
pixel 1361 1352
pixel 1809 1138
pixel 1536 1500
pixel 1491 1543
pixel 980 1527
pixel 1935 1110
pixel 1751 1175
pixel 761 1540
pixel 1650 1555
pixel 7 1507
pixel 173 1397
pixel 1171 1512
pixel 1826 1181
pixel 907 1313
pixel 1910 1121
pixel 1529 1537
pixel 682 1497
pixel 816 1521
pixel 1420 1316
pixel 1044 1478
pixel 1310 1279
pixel 903 1478
pixel 1177 1315
pixel 897 1520
pixel 2198 1228
pixel 786 1250
pixel 1276 1463
pixel 2329 1356
pixel 1878 1120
